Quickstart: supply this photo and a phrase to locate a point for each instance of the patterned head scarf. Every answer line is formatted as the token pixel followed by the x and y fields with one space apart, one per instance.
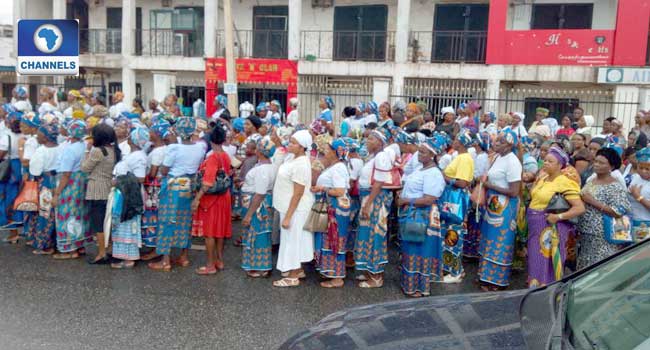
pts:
pixel 266 147
pixel 322 142
pixel 100 111
pixel 462 105
pixel 413 107
pixel 340 147
pixel 122 120
pixel 284 132
pixel 510 137
pixel 434 145
pixel 351 144
pixel 443 139
pixel 140 136
pixel 493 117
pixel 8 108
pixel 238 124
pixel 185 127
pixel 13 116
pixel 361 107
pixel 317 127
pixel 543 111
pixel 276 103
pixel 76 129
pixel 403 137
pixel 329 102
pixel 374 109
pixel 465 138
pixel 612 142
pixel 21 91
pixel 161 128
pixel 643 155
pixel 31 119
pixel 382 134
pixel 260 107
pixel 560 155
pixel 399 105
pixel 222 100
pixel 50 130
pixel 484 140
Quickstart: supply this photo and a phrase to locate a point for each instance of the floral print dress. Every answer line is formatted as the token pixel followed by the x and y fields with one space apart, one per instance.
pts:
pixel 593 246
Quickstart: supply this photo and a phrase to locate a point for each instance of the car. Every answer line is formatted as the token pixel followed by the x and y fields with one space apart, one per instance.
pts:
pixel 605 306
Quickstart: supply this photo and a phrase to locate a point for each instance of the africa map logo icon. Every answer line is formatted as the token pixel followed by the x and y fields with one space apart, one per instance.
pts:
pixel 48 38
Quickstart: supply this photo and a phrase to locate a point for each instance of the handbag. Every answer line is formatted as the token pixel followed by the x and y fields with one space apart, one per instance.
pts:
pixel 5 165
pixel 222 181
pixel 413 225
pixel 317 220
pixel 27 199
pixel 618 230
pixel 558 205
pixel 454 203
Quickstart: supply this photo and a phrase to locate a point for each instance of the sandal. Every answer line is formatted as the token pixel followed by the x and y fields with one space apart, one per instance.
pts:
pixel 43 251
pixel 181 262
pixel 219 265
pixel 65 256
pixel 415 295
pixel 11 240
pixel 257 274
pixel 206 270
pixel 372 283
pixel 301 274
pixel 102 261
pixel 361 278
pixel 160 266
pixel 286 282
pixel 123 265
pixel 330 284
pixel 150 256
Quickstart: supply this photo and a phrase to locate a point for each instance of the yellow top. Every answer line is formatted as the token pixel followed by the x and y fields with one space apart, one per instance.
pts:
pixel 543 191
pixel 461 168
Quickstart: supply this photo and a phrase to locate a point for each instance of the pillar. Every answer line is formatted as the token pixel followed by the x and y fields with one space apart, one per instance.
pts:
pixel 58 9
pixel 402 32
pixel 163 83
pixel 128 48
pixel 210 28
pixel 492 96
pixel 397 92
pixel 380 90
pixel 644 99
pixel 625 105
pixel 293 36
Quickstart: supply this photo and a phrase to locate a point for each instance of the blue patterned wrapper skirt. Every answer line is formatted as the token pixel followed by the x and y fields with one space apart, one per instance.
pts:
pixel 256 239
pixel 174 215
pixel 330 263
pixel 72 229
pixel 497 247
pixel 370 248
pixel 422 261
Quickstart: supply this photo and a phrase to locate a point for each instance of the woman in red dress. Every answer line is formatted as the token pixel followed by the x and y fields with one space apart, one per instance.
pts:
pixel 212 212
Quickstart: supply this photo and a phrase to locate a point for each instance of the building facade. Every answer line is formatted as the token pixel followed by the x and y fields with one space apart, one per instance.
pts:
pixel 512 55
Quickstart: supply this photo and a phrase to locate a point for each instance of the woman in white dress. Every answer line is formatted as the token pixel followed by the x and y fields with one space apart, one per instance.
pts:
pixel 293 200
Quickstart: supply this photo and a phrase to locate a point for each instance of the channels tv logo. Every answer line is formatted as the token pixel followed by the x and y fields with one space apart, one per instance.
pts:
pixel 48 47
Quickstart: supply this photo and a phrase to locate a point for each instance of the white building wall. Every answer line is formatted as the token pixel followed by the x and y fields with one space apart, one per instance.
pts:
pixel 604 15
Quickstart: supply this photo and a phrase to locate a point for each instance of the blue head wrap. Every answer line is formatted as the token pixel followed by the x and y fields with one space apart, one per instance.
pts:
pixel 442 138
pixel 361 106
pixel 222 100
pixel 140 136
pixel 329 102
pixel 8 108
pixel 21 91
pixel 352 144
pixel 238 124
pixel 434 144
pixel 13 116
pixel 31 119
pixel 493 117
pixel 643 155
pixel 484 140
pixel 510 137
pixel 266 147
pixel 403 137
pixel 50 130
pixel 260 107
pixel 465 138
pixel 185 127
pixel 463 105
pixel 161 128
pixel 373 107
pixel 76 129
pixel 340 147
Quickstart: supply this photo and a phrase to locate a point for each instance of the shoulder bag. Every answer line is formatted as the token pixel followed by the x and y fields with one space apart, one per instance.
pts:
pixel 413 225
pixel 5 164
pixel 317 220
pixel 222 181
pixel 454 204
pixel 618 230
pixel 558 204
pixel 27 199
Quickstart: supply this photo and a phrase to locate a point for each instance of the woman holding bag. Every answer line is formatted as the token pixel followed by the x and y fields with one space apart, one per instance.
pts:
pixel 502 184
pixel 42 167
pixel 605 198
pixel 10 218
pixel 370 248
pixel 422 251
pixel 458 175
pixel 333 183
pixel 548 232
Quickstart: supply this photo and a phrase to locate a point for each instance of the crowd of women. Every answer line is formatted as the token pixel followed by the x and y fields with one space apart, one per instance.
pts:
pixel 472 188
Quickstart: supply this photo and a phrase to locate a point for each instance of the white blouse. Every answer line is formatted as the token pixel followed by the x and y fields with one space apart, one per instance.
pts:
pixel 383 163
pixel 336 176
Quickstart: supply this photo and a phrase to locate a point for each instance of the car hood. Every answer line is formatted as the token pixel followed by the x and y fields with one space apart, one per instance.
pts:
pixel 467 321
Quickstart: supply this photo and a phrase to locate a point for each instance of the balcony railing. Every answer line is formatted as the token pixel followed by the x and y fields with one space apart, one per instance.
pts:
pixel 376 46
pixel 169 42
pixel 448 46
pixel 100 41
pixel 255 43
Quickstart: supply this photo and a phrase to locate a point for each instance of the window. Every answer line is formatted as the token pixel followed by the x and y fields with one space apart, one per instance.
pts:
pixel 360 32
pixel 115 87
pixel 460 33
pixel 270 31
pixel 562 16
pixel 558 107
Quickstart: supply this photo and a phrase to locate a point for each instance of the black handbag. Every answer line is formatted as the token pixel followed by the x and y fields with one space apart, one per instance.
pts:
pixel 558 205
pixel 222 182
pixel 413 226
pixel 5 165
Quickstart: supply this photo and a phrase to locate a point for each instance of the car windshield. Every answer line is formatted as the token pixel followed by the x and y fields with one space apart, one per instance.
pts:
pixel 609 307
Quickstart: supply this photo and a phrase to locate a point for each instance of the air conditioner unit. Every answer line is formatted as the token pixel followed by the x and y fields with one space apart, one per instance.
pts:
pixel 322 3
pixel 180 42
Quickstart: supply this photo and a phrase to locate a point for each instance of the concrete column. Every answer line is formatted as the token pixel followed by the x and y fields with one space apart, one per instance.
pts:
pixel 644 99
pixel 128 48
pixel 210 28
pixel 397 91
pixel 625 107
pixel 380 90
pixel 163 83
pixel 58 9
pixel 18 7
pixel 293 36
pixel 402 33
pixel 492 96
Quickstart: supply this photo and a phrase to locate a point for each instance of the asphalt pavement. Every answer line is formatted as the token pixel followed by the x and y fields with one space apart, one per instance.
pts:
pixel 72 305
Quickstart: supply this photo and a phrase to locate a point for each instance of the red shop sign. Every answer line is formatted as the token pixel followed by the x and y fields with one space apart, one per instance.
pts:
pixel 254 70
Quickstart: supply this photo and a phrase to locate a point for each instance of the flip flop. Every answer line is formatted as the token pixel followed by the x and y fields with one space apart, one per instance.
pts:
pixel 330 285
pixel 181 262
pixel 205 270
pixel 160 266
pixel 286 282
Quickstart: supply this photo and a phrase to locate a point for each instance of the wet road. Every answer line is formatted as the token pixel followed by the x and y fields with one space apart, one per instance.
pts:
pixel 70 304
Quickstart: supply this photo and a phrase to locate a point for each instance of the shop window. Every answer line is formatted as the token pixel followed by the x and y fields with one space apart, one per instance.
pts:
pixel 562 16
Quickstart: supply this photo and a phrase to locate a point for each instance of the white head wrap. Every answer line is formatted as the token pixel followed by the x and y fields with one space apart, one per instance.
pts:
pixel 446 110
pixel 542 130
pixel 304 138
pixel 284 132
